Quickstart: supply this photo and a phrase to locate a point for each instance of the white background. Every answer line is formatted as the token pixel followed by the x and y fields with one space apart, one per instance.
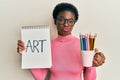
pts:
pixel 96 16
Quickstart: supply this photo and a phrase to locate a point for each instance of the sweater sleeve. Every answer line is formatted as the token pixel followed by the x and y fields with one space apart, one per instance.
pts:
pixel 89 73
pixel 39 74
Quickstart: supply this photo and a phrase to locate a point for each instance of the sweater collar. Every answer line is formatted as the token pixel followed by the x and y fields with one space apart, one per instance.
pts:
pixel 64 38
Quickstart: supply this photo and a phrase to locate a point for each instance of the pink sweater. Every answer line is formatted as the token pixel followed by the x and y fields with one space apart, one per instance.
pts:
pixel 66 61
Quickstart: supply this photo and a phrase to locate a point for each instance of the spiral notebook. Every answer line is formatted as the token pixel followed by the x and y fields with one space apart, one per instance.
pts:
pixel 37 53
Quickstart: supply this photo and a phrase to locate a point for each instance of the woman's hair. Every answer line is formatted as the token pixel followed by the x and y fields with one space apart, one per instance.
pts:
pixel 63 7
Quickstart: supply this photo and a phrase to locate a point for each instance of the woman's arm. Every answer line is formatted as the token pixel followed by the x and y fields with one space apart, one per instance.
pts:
pixel 39 74
pixel 89 73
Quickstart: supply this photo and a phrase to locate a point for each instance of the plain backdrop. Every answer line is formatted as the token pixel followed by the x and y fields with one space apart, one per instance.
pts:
pixel 95 16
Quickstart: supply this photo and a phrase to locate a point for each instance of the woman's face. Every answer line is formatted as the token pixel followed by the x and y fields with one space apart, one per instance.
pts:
pixel 65 22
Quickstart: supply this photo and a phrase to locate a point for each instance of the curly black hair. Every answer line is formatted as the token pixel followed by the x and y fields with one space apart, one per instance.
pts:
pixel 63 7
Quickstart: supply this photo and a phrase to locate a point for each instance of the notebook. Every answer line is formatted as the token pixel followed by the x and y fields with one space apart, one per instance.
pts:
pixel 37 53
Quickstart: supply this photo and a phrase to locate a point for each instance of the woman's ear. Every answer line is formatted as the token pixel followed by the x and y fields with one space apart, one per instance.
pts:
pixel 54 21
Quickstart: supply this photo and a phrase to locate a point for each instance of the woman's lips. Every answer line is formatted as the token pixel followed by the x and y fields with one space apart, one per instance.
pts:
pixel 65 28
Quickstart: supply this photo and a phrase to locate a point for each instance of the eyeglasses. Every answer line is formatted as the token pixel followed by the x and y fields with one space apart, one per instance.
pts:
pixel 62 20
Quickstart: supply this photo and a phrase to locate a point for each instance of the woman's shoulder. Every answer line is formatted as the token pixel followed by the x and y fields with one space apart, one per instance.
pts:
pixel 75 38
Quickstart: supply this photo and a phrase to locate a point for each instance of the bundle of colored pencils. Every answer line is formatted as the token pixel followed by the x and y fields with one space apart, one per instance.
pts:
pixel 87 42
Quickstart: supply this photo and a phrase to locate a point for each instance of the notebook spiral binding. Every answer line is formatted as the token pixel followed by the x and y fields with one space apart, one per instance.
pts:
pixel 35 27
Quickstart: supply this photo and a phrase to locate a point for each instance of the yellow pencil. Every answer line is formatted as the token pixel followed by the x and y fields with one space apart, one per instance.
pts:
pixel 94 40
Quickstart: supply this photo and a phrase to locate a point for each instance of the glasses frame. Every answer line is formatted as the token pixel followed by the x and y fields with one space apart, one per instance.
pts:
pixel 66 20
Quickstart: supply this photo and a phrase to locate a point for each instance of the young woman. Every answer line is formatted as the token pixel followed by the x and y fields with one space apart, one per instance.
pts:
pixel 66 58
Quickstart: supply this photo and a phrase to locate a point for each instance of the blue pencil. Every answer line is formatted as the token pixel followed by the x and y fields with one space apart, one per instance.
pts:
pixel 84 43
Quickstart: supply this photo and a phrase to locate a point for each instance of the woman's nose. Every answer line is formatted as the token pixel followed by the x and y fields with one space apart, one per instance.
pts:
pixel 66 23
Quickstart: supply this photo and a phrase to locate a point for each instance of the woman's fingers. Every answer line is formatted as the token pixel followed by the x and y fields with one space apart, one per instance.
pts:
pixel 20 47
pixel 20 43
pixel 99 59
pixel 96 50
pixel 19 50
pixel 95 63
pixel 103 57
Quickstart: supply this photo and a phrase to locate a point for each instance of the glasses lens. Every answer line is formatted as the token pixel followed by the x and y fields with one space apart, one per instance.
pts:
pixel 62 20
pixel 70 21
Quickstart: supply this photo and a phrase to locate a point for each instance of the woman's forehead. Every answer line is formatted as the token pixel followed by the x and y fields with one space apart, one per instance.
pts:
pixel 66 14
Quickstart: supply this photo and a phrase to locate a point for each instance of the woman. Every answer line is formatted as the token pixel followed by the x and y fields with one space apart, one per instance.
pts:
pixel 66 58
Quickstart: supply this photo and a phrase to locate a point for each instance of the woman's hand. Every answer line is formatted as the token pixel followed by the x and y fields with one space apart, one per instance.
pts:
pixel 99 58
pixel 20 46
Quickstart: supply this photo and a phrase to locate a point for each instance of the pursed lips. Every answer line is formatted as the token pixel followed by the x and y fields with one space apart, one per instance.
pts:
pixel 65 28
